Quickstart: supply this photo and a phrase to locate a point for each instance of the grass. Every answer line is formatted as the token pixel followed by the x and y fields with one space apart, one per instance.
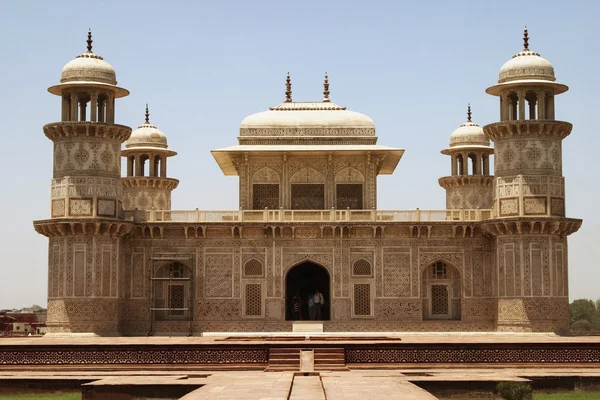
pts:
pixel 567 396
pixel 42 396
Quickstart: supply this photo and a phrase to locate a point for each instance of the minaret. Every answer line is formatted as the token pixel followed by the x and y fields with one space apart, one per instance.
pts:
pixel 529 226
pixel 146 186
pixel 86 227
pixel 470 185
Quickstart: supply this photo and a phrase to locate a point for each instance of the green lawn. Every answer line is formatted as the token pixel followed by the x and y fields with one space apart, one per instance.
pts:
pixel 41 396
pixel 568 396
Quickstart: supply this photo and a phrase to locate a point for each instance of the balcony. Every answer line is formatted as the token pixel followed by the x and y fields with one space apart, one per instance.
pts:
pixel 292 216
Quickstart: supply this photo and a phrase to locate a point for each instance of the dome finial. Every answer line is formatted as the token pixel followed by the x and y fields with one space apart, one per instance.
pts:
pixel 525 39
pixel 469 113
pixel 288 89
pixel 147 115
pixel 89 41
pixel 326 89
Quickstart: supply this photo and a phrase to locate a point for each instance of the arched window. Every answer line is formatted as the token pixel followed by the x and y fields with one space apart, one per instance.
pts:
pixel 253 267
pixel 531 98
pixel 361 268
pixel 441 292
pixel 172 292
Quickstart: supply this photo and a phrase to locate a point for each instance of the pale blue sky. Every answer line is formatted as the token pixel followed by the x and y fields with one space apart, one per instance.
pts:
pixel 204 66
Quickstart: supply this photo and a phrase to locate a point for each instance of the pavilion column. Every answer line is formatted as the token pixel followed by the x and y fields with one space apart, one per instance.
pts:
pixel 110 109
pixel 521 94
pixel 152 168
pixel 486 164
pixel 74 104
pixel 94 107
pixel 138 165
pixel 163 167
pixel 454 161
pixel 541 98
pixel 65 108
pixel 130 166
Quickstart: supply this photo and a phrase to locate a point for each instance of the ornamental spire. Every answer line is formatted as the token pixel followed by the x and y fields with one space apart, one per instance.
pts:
pixel 147 115
pixel 288 89
pixel 326 89
pixel 469 113
pixel 525 39
pixel 89 41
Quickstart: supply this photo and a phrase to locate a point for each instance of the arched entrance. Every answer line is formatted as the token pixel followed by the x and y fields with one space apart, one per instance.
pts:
pixel 305 278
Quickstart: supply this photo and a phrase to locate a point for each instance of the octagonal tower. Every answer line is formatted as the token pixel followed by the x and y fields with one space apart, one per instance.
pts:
pixel 529 225
pixel 86 227
pixel 146 186
pixel 470 185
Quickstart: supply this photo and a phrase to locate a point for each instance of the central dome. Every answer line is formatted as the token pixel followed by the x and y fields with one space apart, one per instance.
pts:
pixel 527 65
pixel 308 115
pixel 88 67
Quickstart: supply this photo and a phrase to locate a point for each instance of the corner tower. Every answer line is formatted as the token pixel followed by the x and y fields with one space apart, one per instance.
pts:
pixel 529 227
pixel 85 228
pixel 470 185
pixel 146 186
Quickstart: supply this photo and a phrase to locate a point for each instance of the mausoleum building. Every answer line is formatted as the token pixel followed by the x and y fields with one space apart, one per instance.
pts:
pixel 122 262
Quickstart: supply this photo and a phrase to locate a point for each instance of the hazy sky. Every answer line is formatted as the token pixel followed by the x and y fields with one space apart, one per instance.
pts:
pixel 204 66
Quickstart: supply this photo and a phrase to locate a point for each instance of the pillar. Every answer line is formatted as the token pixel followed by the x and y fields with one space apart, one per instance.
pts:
pixel 130 165
pixel 82 108
pixel 486 164
pixel 94 107
pixel 454 161
pixel 521 94
pixel 65 108
pixel 102 110
pixel 110 109
pixel 152 167
pixel 74 104
pixel 163 167
pixel 138 165
pixel 541 96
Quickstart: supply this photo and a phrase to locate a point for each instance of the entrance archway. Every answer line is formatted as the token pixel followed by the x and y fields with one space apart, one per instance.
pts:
pixel 306 278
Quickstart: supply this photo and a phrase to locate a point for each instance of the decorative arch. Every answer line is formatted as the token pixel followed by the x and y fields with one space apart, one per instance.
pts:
pixel 265 189
pixel 172 291
pixel 441 291
pixel 362 267
pixel 265 175
pixel 349 175
pixel 301 280
pixel 454 259
pixel 307 175
pixel 253 268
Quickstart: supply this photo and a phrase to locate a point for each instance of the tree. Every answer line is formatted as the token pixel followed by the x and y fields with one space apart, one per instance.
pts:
pixel 582 309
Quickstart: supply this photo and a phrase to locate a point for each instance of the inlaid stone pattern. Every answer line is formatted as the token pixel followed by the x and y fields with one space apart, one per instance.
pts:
pixel 92 155
pixel 145 198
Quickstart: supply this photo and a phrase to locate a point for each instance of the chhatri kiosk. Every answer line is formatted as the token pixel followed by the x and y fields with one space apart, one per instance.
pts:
pixel 122 262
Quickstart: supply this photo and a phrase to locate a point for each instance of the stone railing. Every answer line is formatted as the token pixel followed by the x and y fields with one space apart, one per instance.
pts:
pixel 237 216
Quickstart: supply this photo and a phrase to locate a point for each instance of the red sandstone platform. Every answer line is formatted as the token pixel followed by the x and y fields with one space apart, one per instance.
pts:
pixel 260 351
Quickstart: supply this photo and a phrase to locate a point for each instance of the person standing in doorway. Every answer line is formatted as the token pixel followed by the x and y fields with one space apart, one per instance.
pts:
pixel 311 306
pixel 318 301
pixel 297 306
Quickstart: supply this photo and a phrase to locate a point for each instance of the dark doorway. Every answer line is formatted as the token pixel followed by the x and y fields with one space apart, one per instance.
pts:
pixel 306 278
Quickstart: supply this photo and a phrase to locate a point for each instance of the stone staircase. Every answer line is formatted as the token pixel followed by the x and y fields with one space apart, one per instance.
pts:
pixel 288 359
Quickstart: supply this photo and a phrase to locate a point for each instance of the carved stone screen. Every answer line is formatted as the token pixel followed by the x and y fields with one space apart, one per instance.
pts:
pixel 362 299
pixel 265 195
pixel 440 305
pixel 361 267
pixel 307 196
pixel 349 195
pixel 253 268
pixel 176 299
pixel 253 300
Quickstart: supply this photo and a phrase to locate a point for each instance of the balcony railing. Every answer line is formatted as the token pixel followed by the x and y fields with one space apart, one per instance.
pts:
pixel 238 216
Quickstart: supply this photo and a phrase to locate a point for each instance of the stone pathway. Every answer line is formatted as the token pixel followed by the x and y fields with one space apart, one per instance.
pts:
pixel 307 388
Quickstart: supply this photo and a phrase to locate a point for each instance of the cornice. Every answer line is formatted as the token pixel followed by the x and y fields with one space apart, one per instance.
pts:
pixel 83 227
pixel 448 182
pixel 149 182
pixel 68 129
pixel 509 129
pixel 531 226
